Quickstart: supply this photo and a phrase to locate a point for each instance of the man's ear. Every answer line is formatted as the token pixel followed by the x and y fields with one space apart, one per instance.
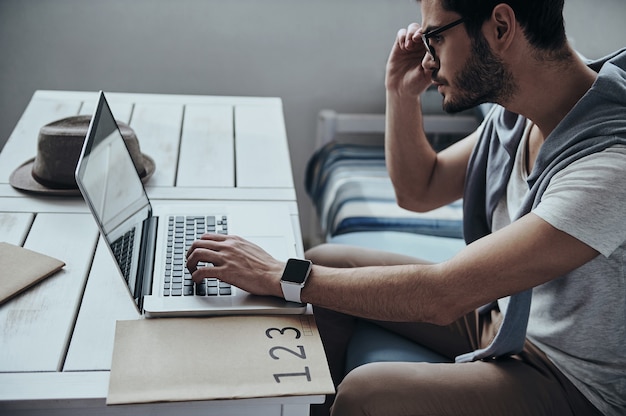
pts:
pixel 500 29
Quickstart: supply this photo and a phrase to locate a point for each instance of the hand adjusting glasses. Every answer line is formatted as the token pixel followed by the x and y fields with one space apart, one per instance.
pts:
pixel 426 36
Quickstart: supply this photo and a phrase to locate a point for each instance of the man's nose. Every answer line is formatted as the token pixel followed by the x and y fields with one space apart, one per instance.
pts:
pixel 429 63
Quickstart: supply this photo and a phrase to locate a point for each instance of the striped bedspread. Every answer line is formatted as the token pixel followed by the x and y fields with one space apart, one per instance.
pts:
pixel 351 191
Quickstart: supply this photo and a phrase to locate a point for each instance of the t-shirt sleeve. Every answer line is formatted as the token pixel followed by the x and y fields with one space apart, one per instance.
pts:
pixel 587 200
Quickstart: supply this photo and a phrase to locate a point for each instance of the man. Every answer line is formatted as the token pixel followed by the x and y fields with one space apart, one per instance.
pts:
pixel 542 182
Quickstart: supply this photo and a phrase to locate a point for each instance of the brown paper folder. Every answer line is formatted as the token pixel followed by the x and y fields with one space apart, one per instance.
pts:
pixel 21 268
pixel 228 357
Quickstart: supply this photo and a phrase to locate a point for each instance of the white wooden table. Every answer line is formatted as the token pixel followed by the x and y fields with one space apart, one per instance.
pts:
pixel 56 339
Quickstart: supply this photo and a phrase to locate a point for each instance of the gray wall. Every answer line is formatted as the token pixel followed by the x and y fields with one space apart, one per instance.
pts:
pixel 314 54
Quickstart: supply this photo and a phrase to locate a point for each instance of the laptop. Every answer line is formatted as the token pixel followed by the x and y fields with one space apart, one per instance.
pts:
pixel 149 241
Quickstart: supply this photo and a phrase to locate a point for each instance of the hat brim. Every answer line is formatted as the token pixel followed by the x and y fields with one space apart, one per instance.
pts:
pixel 23 180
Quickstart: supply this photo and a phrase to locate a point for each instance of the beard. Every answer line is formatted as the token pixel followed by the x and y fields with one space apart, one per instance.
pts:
pixel 484 78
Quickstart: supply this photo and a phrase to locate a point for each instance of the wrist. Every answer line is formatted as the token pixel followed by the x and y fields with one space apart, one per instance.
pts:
pixel 294 278
pixel 403 107
pixel 276 276
pixel 403 95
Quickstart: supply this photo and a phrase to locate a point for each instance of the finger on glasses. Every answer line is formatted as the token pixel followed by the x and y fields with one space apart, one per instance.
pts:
pixel 412 29
pixel 413 35
pixel 401 38
pixel 404 35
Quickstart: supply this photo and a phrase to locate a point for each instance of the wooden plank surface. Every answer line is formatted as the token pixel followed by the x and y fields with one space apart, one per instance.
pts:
pixel 36 326
pixel 47 394
pixel 181 99
pixel 14 227
pixel 261 148
pixel 43 204
pixel 196 193
pixel 157 120
pixel 105 301
pixel 158 128
pixel 207 147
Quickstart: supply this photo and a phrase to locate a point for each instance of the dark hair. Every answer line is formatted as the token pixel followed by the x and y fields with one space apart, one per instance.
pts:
pixel 541 20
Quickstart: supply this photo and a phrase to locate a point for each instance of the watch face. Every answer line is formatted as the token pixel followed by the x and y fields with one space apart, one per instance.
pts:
pixel 296 271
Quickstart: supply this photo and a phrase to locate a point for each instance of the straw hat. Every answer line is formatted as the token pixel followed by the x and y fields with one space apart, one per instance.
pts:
pixel 51 171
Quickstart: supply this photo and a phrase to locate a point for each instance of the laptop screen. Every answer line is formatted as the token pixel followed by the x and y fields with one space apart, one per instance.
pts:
pixel 107 175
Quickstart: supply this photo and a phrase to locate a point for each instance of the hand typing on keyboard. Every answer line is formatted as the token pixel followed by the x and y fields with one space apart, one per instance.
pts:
pixel 182 231
pixel 236 261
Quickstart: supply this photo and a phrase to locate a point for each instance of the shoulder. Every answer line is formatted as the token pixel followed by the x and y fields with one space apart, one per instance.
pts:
pixel 600 167
pixel 585 199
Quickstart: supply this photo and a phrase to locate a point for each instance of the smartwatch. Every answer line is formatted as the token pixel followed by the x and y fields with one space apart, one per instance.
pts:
pixel 294 277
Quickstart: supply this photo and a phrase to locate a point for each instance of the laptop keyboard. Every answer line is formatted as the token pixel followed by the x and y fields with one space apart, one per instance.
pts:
pixel 123 252
pixel 182 232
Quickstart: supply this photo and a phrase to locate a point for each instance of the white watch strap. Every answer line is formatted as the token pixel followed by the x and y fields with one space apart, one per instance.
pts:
pixel 291 291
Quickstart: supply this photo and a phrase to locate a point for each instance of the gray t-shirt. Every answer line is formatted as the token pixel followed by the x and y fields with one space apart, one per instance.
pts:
pixel 579 320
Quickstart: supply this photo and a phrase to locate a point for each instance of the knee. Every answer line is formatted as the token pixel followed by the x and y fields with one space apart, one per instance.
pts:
pixel 393 388
pixel 313 253
pixel 326 255
pixel 360 392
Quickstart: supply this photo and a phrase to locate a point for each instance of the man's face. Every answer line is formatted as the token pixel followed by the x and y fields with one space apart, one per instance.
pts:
pixel 467 72
pixel 483 78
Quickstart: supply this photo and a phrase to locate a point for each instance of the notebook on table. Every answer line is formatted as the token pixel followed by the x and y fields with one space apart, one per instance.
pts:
pixel 21 268
pixel 149 241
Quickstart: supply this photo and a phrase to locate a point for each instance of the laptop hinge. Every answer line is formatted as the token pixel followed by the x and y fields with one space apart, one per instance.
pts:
pixel 146 260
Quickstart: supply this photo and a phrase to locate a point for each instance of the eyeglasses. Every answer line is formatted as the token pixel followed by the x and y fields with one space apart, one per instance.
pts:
pixel 428 35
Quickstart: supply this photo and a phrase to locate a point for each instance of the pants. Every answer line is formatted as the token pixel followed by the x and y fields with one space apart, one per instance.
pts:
pixel 525 384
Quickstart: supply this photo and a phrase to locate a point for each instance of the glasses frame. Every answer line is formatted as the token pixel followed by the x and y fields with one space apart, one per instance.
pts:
pixel 425 36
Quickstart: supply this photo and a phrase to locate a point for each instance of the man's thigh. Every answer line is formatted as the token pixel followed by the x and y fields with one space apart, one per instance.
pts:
pixel 503 387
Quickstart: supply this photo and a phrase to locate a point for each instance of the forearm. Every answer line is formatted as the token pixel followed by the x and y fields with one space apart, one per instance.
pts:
pixel 406 293
pixel 490 268
pixel 410 158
